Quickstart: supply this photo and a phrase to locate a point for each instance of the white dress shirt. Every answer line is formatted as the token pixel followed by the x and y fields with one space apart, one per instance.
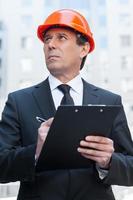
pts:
pixel 76 90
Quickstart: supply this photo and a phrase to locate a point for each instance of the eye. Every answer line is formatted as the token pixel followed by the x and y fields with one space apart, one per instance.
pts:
pixel 62 37
pixel 47 39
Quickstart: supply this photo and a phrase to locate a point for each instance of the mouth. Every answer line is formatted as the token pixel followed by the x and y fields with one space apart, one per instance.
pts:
pixel 52 57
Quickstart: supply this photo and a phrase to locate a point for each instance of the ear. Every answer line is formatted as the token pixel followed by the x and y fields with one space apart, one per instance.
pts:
pixel 84 50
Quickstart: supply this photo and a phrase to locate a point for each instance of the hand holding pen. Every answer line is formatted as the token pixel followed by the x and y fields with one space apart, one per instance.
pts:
pixel 42 133
pixel 40 119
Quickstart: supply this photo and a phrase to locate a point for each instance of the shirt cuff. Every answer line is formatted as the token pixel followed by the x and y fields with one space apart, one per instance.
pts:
pixel 36 159
pixel 102 172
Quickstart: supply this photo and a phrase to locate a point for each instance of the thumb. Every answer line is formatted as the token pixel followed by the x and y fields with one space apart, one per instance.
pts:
pixel 49 121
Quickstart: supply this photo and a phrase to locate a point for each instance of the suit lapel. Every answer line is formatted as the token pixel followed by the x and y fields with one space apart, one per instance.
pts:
pixel 90 95
pixel 44 100
pixel 45 103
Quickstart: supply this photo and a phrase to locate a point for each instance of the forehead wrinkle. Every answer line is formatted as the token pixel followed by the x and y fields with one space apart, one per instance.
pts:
pixel 60 32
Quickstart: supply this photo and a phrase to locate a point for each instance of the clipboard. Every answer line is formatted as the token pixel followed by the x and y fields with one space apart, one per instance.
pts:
pixel 72 124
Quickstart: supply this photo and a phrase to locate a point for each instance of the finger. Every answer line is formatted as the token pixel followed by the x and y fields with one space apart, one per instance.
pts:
pixel 43 128
pixel 100 139
pixel 98 146
pixel 93 152
pixel 48 122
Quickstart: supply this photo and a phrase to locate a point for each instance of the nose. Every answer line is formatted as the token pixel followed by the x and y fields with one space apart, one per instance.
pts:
pixel 52 43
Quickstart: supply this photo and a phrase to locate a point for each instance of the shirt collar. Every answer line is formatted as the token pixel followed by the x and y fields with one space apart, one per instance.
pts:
pixel 76 83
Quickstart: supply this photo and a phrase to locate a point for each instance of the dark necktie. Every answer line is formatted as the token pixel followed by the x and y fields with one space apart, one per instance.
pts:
pixel 67 99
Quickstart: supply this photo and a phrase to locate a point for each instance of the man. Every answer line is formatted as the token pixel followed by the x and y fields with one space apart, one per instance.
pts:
pixel 67 41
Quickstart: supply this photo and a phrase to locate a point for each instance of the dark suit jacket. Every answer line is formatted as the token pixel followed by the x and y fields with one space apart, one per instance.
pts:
pixel 18 136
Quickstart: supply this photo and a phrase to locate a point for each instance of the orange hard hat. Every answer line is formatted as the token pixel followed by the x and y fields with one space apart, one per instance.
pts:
pixel 67 18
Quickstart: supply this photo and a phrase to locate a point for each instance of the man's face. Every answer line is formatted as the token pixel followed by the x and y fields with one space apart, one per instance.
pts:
pixel 62 54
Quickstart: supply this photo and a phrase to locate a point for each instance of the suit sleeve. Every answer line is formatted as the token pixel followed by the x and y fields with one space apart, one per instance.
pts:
pixel 17 162
pixel 121 168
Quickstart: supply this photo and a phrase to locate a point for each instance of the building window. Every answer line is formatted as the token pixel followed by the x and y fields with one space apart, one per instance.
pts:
pixel 106 80
pixel 127 85
pixel 1 25
pixel 125 40
pixel 102 21
pixel 26 65
pixel 102 2
pixel 0 63
pixel 125 19
pixel 103 42
pixel 126 62
pixel 48 3
pixel 84 4
pixel 131 108
pixel 103 58
pixel 26 42
pixel 124 1
pixel 123 62
pixel 0 82
pixel 0 44
pixel 27 20
pixel 26 3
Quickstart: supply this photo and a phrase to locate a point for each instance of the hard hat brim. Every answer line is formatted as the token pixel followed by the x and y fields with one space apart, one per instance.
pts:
pixel 42 28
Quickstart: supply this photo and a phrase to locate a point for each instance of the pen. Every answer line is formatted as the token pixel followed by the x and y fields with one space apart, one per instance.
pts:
pixel 39 119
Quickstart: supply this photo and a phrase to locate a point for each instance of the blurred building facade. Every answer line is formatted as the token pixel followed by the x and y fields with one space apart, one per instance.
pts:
pixel 110 66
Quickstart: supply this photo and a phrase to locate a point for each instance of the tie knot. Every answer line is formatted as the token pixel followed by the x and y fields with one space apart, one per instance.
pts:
pixel 67 99
pixel 64 88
